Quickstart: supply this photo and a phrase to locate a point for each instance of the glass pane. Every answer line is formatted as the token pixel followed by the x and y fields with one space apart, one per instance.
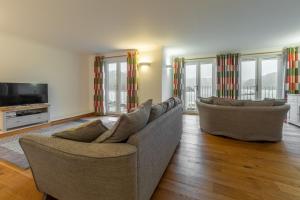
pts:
pixel 112 87
pixel 269 70
pixel 123 87
pixel 248 77
pixel 190 87
pixel 206 80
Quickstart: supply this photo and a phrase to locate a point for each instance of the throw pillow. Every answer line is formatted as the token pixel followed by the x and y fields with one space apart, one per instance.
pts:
pixel 171 103
pixel 177 101
pixel 208 100
pixel 156 111
pixel 279 102
pixel 258 103
pixel 127 125
pixel 276 102
pixel 85 133
pixel 227 102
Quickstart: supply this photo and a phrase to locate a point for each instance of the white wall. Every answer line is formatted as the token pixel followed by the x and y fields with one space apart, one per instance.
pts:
pixel 150 78
pixel 65 72
pixel 167 77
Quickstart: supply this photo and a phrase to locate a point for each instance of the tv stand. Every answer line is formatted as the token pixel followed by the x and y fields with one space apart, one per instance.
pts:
pixel 13 117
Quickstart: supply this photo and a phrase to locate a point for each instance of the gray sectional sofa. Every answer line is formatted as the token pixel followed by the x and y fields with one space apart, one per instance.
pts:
pixel 243 120
pixel 70 170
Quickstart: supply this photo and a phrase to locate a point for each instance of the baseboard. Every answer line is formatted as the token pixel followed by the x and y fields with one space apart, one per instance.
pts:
pixel 60 121
pixel 44 125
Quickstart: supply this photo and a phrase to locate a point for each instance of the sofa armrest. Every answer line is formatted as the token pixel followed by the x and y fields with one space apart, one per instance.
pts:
pixel 67 169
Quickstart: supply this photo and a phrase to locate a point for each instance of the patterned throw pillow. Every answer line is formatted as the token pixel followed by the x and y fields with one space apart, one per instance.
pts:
pixel 276 102
pixel 208 100
pixel 156 111
pixel 258 103
pixel 177 101
pixel 127 125
pixel 84 133
pixel 227 102
pixel 170 103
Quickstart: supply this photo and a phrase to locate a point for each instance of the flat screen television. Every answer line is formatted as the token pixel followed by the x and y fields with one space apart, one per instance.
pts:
pixel 12 94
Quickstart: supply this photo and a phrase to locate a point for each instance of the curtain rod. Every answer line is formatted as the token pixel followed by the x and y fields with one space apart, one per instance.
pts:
pixel 119 56
pixel 248 54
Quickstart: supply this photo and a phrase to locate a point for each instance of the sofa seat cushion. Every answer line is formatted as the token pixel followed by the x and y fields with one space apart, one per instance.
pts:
pixel 127 125
pixel 84 133
pixel 156 111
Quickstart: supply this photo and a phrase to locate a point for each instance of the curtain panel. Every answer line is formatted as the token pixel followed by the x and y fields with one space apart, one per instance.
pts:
pixel 292 76
pixel 228 76
pixel 178 73
pixel 132 80
pixel 98 86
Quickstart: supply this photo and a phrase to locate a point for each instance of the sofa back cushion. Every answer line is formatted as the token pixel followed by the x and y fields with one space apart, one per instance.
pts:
pixel 127 124
pixel 84 133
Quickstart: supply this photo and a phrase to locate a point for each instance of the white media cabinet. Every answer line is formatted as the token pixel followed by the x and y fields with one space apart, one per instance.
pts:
pixel 13 117
pixel 294 113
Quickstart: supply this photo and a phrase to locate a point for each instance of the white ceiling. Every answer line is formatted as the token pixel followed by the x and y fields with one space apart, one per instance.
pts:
pixel 193 26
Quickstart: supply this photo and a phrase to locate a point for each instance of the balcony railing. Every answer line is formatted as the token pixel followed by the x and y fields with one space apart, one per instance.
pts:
pixel 191 96
pixel 249 92
pixel 112 102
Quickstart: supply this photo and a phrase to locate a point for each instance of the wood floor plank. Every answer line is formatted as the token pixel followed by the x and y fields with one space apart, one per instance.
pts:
pixel 206 167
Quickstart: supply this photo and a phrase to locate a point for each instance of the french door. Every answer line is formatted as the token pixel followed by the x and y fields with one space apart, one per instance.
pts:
pixel 199 81
pixel 261 77
pixel 115 86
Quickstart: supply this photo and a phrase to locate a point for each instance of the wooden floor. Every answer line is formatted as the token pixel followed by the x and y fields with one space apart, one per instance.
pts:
pixel 206 167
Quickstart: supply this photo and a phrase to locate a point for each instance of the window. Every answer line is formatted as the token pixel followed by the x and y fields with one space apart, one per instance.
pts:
pixel 115 86
pixel 260 77
pixel 190 93
pixel 269 78
pixel 199 82
pixel 206 80
pixel 248 79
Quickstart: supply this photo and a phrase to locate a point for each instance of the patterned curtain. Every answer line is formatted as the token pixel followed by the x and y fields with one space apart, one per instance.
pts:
pixel 292 80
pixel 228 76
pixel 178 70
pixel 98 86
pixel 132 80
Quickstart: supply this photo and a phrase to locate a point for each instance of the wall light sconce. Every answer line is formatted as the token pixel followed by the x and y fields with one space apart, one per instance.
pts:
pixel 144 66
pixel 147 64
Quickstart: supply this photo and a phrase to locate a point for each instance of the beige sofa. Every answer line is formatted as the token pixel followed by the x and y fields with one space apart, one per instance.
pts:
pixel 69 170
pixel 248 123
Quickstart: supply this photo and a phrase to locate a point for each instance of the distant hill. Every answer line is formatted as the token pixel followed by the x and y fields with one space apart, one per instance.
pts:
pixel 204 82
pixel 268 80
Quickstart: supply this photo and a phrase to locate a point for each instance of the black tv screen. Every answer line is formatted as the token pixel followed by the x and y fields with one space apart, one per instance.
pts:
pixel 12 94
